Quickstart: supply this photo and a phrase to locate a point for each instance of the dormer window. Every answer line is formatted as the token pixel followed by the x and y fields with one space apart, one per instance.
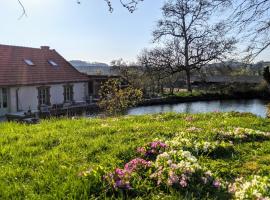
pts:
pixel 29 62
pixel 54 64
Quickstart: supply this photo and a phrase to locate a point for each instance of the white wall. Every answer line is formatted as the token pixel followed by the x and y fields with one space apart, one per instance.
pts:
pixel 28 95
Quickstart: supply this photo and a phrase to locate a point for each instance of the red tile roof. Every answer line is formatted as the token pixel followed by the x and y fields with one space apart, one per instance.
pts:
pixel 14 71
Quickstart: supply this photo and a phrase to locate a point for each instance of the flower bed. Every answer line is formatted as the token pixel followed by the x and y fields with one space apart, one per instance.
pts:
pixel 175 167
pixel 213 148
pixel 243 134
pixel 165 168
pixel 255 187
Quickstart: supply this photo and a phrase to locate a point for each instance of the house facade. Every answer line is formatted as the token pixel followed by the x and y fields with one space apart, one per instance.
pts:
pixel 33 77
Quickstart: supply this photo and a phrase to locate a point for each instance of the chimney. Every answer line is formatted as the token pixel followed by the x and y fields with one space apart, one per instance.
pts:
pixel 45 47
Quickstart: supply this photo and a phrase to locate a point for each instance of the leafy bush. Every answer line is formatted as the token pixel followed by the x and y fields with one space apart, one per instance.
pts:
pixel 115 100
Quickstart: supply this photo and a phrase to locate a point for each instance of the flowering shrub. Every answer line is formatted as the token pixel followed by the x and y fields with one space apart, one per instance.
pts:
pixel 169 166
pixel 244 134
pixel 174 167
pixel 114 99
pixel 152 149
pixel 137 164
pixel 121 178
pixel 180 169
pixel 257 187
pixel 215 148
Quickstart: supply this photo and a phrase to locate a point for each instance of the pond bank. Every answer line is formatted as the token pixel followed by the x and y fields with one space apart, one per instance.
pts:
pixel 205 97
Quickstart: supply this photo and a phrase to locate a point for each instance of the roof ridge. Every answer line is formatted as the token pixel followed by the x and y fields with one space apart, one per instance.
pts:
pixel 17 46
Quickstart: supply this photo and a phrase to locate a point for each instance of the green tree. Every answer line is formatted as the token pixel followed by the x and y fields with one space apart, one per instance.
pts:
pixel 115 100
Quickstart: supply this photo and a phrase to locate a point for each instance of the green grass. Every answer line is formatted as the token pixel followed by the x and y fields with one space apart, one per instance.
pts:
pixel 43 161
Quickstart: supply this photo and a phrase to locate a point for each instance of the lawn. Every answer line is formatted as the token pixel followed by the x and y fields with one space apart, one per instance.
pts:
pixel 77 158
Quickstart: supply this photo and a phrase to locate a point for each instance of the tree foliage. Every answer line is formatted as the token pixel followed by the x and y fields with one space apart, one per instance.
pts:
pixel 115 100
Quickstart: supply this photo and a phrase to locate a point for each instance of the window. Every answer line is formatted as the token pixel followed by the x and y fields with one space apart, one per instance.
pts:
pixel 5 97
pixel 44 96
pixel 28 62
pixel 54 64
pixel 90 87
pixel 68 93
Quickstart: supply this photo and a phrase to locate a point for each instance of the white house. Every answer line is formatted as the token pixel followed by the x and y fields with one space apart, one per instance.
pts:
pixel 31 77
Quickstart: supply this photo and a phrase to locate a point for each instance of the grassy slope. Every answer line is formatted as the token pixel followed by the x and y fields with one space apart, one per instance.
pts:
pixel 43 161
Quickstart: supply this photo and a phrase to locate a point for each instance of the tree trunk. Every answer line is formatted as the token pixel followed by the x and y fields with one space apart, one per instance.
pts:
pixel 189 88
pixel 162 89
pixel 172 90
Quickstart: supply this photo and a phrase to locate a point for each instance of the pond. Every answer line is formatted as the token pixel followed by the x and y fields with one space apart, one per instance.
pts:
pixel 255 106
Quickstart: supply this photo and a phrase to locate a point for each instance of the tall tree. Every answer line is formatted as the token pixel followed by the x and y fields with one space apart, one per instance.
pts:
pixel 155 64
pixel 251 18
pixel 186 23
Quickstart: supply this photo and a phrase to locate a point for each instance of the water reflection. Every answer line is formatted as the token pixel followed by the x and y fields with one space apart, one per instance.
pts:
pixel 257 107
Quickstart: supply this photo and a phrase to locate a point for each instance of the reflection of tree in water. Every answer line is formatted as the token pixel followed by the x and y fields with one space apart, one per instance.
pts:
pixel 188 108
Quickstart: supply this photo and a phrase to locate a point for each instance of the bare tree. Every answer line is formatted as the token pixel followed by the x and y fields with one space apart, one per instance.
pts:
pixel 186 24
pixel 156 64
pixel 252 19
pixel 131 5
pixel 129 72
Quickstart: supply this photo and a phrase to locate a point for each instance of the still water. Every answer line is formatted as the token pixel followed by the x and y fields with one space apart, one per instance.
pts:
pixel 255 106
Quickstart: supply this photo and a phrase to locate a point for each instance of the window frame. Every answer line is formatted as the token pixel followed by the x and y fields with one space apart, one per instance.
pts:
pixel 53 63
pixel 68 93
pixel 29 62
pixel 44 96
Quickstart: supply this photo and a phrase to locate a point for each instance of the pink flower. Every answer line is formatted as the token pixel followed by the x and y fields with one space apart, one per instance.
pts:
pixel 157 144
pixel 136 163
pixel 119 172
pixel 141 150
pixel 217 184
pixel 173 177
pixel 183 183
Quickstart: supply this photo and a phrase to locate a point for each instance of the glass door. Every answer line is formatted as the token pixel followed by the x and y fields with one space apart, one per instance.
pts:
pixel 3 101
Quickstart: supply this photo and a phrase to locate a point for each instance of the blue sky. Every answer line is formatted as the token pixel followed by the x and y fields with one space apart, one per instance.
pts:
pixel 87 31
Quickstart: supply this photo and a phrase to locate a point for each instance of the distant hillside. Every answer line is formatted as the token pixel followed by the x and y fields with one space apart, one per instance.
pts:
pixel 87 64
pixel 93 68
pixel 232 68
